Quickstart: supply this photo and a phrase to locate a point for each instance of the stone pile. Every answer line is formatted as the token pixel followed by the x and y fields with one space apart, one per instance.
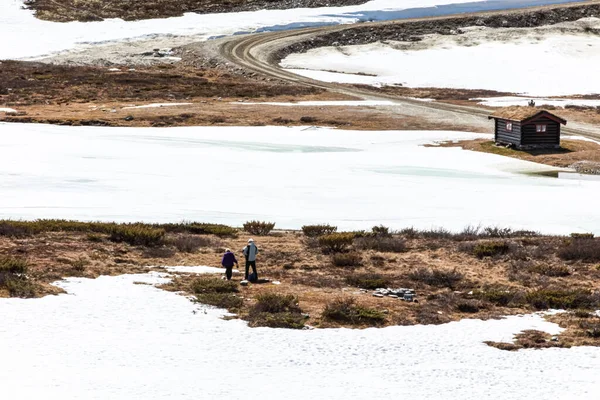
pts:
pixel 400 293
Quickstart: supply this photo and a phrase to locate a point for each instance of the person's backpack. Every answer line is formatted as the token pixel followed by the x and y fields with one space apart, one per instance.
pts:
pixel 252 277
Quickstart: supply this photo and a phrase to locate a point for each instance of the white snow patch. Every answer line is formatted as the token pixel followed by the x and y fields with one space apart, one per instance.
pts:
pixel 566 60
pixel 158 105
pixel 346 103
pixel 507 101
pixel 198 269
pixel 111 339
pixel 26 36
pixel 7 110
pixel 352 179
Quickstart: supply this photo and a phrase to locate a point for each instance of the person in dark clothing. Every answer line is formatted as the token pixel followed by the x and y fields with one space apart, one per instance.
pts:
pixel 228 262
pixel 250 252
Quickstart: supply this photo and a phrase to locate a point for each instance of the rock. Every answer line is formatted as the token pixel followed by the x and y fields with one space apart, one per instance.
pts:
pixel 393 296
pixel 276 283
pixel 377 295
pixel 305 315
pixel 129 118
pixel 408 297
pixel 244 283
pixel 554 339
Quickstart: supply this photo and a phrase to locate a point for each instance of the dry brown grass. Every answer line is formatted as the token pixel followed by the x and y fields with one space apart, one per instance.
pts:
pixel 309 275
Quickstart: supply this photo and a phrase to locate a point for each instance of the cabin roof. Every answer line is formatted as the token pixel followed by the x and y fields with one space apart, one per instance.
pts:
pixel 524 114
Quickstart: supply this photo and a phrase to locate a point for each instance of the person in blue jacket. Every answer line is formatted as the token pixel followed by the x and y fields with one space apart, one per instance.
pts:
pixel 228 262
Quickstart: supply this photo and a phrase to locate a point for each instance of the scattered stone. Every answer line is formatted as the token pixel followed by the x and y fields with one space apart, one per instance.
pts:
pixel 377 295
pixel 244 283
pixel 276 283
pixel 306 315
pixel 129 118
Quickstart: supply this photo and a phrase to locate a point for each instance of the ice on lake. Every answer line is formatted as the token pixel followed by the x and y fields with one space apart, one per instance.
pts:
pixel 289 175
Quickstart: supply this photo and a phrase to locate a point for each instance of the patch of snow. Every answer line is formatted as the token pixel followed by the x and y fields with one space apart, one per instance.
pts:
pixel 111 339
pixel 30 37
pixel 159 105
pixel 351 179
pixel 199 269
pixel 7 110
pixel 347 103
pixel 568 60
pixel 508 101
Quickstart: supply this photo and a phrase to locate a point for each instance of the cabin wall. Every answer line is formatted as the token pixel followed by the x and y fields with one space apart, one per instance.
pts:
pixel 531 138
pixel 508 137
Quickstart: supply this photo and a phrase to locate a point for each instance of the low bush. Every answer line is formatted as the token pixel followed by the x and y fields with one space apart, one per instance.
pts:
pixel 436 277
pixel 213 285
pixel 497 232
pixel 228 301
pixel 276 310
pixel 13 279
pixel 582 235
pixel 190 243
pixel 336 242
pixel 159 252
pixel 469 306
pixel 318 230
pixel 503 297
pixel 386 244
pixel 351 259
pixel 591 328
pixel 368 281
pixel 380 230
pixel 345 310
pixel 550 270
pixel 490 249
pixel 137 235
pixel 12 266
pixel 544 299
pixel 95 237
pixel 587 250
pixel 259 228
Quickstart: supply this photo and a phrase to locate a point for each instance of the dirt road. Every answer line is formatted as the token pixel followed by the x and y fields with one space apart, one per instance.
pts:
pixel 260 53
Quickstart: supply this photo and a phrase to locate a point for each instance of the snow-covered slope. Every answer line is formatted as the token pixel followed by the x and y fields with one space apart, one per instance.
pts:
pixel 25 36
pixel 293 176
pixel 111 339
pixel 505 60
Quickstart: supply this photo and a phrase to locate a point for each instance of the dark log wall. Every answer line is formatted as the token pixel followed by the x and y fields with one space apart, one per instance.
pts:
pixel 504 136
pixel 550 137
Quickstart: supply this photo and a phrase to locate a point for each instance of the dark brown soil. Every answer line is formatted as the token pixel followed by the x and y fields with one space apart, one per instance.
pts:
pixel 96 10
pixel 414 30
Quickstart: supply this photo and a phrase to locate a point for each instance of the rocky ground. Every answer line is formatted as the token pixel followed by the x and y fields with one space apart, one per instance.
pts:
pixel 94 10
pixel 479 273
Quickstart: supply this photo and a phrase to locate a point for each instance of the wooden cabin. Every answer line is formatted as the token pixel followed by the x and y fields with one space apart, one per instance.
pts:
pixel 527 128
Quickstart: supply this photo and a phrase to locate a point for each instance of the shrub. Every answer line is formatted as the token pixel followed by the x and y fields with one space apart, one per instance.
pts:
pixel 13 279
pixel 336 242
pixel 581 249
pixel 228 301
pixel 198 228
pixel 345 310
pixel 386 244
pixel 159 252
pixel 550 270
pixel 469 306
pixel 276 310
pixel 213 285
pixel 318 230
pixel 496 232
pixel 582 235
pixel 13 266
pixel 436 233
pixel 351 259
pixel 308 119
pixel 502 297
pixel 591 328
pixel 368 281
pixel 436 277
pixel 543 299
pixel 490 249
pixel 410 233
pixel 95 237
pixel 190 243
pixel 137 235
pixel 276 303
pixel 259 228
pixel 381 230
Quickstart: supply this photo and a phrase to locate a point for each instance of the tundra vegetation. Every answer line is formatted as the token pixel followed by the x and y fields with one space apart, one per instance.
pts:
pixel 327 277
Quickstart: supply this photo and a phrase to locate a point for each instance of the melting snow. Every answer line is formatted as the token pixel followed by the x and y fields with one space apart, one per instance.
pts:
pixel 111 339
pixel 539 101
pixel 347 103
pixel 159 105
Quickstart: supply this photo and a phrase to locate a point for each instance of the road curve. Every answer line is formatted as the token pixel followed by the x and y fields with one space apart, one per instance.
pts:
pixel 256 52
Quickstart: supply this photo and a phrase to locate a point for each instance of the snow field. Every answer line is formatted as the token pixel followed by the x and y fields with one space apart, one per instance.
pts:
pixel 508 101
pixel 112 339
pixel 566 60
pixel 290 175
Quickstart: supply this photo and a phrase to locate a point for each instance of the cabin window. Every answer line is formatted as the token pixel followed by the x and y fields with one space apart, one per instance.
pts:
pixel 509 126
pixel 540 128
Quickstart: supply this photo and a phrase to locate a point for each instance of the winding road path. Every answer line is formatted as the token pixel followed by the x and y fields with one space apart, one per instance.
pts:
pixel 256 52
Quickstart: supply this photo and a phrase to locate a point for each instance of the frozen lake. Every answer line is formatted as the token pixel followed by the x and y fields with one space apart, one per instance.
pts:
pixel 111 339
pixel 292 176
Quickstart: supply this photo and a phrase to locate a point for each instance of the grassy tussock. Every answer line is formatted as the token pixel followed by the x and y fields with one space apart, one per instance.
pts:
pixel 437 277
pixel 368 280
pixel 14 280
pixel 217 292
pixel 351 259
pixel 276 310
